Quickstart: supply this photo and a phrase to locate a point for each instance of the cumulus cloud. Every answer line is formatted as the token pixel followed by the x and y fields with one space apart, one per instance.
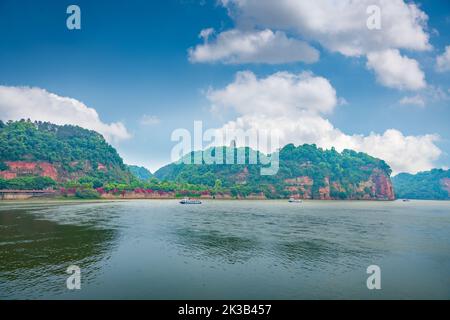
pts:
pixel 339 26
pixel 282 92
pixel 38 104
pixel 236 46
pixel 396 71
pixel 443 61
pixel 281 102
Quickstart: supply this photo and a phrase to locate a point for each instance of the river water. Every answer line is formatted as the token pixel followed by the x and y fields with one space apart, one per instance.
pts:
pixel 160 249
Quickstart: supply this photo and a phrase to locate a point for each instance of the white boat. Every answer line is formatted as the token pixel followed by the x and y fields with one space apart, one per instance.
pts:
pixel 190 201
pixel 293 200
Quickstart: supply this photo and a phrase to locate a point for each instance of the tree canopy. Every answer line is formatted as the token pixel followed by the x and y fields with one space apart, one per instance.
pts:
pixel 426 185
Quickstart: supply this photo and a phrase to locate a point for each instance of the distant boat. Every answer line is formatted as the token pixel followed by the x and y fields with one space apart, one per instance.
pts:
pixel 190 201
pixel 406 200
pixel 293 200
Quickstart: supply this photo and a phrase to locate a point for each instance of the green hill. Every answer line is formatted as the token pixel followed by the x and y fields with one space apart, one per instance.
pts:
pixel 305 171
pixel 429 185
pixel 62 153
pixel 37 155
pixel 140 173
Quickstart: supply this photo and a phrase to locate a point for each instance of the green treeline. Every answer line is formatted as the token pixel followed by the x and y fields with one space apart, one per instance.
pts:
pixel 423 185
pixel 27 183
pixel 347 168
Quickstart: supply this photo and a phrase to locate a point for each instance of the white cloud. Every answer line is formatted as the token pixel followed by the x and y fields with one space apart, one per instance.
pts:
pixel 338 25
pixel 396 71
pixel 148 120
pixel 295 106
pixel 416 100
pixel 235 46
pixel 282 92
pixel 38 104
pixel 443 61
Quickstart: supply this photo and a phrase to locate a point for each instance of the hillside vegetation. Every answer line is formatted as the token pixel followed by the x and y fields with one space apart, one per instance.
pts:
pixel 63 153
pixel 140 173
pixel 429 185
pixel 305 171
pixel 39 155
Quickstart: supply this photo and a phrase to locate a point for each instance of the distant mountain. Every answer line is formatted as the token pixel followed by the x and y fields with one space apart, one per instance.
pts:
pixel 59 153
pixel 429 185
pixel 305 172
pixel 140 172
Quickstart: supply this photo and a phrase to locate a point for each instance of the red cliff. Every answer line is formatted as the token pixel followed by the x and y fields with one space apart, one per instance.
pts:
pixel 22 168
pixel 377 187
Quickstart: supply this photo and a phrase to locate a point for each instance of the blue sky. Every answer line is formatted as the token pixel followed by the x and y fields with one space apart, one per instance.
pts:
pixel 130 62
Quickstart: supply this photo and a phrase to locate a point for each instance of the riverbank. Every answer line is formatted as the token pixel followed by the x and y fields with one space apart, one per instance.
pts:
pixel 119 199
pixel 27 195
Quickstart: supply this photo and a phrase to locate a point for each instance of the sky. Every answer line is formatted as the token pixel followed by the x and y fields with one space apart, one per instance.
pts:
pixel 314 71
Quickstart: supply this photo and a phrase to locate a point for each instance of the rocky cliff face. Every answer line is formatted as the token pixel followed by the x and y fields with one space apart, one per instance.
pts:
pixel 45 169
pixel 377 187
pixel 23 168
pixel 383 186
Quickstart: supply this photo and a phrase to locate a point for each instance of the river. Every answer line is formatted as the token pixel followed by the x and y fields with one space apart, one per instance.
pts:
pixel 160 249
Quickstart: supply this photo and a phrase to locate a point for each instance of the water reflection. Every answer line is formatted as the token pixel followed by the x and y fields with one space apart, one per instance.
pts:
pixel 203 244
pixel 35 253
pixel 224 249
pixel 308 239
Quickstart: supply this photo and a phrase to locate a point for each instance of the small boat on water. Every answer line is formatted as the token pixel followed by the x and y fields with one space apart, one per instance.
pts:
pixel 293 200
pixel 190 201
pixel 406 200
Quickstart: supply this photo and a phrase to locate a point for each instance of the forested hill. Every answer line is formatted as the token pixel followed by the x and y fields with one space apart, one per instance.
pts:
pixel 37 155
pixel 429 185
pixel 61 153
pixel 305 171
pixel 140 173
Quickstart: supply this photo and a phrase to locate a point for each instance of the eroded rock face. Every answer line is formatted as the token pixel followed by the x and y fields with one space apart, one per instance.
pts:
pixel 300 187
pixel 46 169
pixel 21 168
pixel 377 187
pixel 324 192
pixel 383 186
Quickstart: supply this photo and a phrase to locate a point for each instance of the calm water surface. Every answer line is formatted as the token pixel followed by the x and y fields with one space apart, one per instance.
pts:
pixel 225 249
